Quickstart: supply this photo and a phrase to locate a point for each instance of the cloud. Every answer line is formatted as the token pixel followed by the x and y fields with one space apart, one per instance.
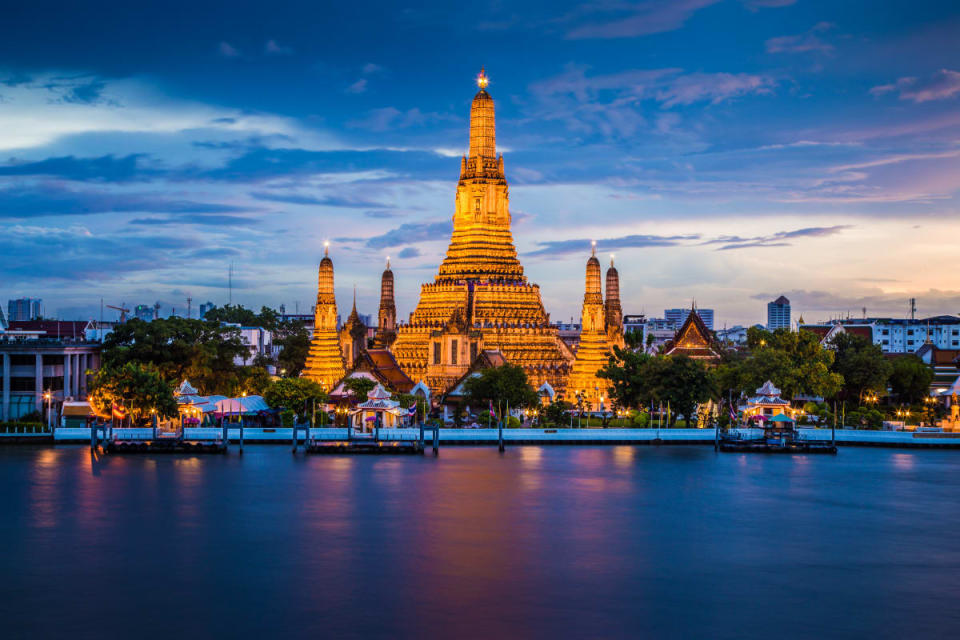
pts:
pixel 802 43
pixel 779 239
pixel 391 119
pixel 409 252
pixel 271 48
pixel 945 84
pixel 371 68
pixel 226 50
pixel 559 248
pixel 53 200
pixel 754 5
pixel 408 233
pixel 105 168
pixel 203 220
pixel 349 201
pixel 628 20
pixel 357 87
pixel 713 87
pixel 88 93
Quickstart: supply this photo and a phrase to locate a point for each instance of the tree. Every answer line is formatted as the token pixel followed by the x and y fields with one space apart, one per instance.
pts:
pixel 504 385
pixel 139 389
pixel 910 379
pixel 294 341
pixel 556 413
pixel 629 378
pixel 794 361
pixel 862 365
pixel 296 394
pixel 360 387
pixel 682 383
pixel 179 348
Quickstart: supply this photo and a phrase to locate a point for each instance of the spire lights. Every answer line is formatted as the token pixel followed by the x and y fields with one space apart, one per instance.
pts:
pixel 482 79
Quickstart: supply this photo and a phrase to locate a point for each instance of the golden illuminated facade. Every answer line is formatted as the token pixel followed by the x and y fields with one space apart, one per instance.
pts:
pixel 387 314
pixel 480 299
pixel 325 360
pixel 593 351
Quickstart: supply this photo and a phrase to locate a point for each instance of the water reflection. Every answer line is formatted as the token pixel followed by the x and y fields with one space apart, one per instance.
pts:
pixel 540 541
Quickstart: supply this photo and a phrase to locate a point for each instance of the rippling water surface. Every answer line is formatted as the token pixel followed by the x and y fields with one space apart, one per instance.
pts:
pixel 537 542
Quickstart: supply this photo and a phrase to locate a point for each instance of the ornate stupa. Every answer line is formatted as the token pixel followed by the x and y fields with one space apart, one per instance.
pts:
pixel 593 352
pixel 480 299
pixel 325 359
pixel 611 306
pixel 387 316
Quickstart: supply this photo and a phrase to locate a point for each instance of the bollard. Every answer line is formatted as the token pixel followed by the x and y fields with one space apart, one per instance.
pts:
pixel 500 436
pixel 436 441
pixel 154 426
pixel 241 434
pixel 421 435
pixel 93 436
pixel 294 438
pixel 226 434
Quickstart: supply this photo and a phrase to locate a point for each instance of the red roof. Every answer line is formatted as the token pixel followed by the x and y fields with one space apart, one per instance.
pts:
pixel 821 330
pixel 383 365
pixel 73 329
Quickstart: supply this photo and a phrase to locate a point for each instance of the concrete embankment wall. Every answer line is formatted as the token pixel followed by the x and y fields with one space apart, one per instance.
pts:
pixel 518 436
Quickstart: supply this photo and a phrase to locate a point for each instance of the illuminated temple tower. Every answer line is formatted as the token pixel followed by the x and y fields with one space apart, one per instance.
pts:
pixel 612 309
pixel 325 359
pixel 480 299
pixel 593 351
pixel 387 316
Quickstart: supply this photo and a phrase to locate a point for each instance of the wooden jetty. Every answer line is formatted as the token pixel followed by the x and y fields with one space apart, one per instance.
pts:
pixel 371 444
pixel 150 440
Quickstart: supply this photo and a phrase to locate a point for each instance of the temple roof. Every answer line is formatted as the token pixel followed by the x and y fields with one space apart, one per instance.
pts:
pixel 693 339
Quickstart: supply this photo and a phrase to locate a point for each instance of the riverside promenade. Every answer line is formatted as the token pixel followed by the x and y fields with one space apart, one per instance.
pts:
pixel 559 436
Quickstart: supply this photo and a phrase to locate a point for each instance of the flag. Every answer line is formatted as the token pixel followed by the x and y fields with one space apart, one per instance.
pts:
pixel 412 411
pixel 668 412
pixel 491 409
pixel 733 414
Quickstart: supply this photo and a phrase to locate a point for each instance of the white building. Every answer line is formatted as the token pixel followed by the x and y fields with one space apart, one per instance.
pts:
pixel 778 314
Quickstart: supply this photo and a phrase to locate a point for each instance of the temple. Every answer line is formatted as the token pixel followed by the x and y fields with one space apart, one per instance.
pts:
pixel 694 340
pixel 480 299
pixel 325 359
pixel 593 351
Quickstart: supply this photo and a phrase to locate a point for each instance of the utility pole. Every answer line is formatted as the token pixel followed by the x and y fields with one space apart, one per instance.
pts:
pixel 189 307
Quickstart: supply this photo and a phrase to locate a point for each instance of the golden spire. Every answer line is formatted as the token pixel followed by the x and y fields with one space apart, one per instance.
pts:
pixel 593 248
pixel 388 262
pixel 326 248
pixel 482 79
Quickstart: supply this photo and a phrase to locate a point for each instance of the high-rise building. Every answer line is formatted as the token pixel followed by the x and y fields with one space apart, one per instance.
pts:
pixel 143 312
pixel 23 309
pixel 204 307
pixel 678 316
pixel 778 314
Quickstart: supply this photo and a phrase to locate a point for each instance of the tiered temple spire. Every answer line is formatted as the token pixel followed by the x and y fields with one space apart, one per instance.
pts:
pixel 593 351
pixel 612 308
pixel 325 360
pixel 387 315
pixel 480 298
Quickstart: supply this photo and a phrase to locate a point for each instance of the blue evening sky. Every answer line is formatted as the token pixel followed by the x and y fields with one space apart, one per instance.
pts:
pixel 727 151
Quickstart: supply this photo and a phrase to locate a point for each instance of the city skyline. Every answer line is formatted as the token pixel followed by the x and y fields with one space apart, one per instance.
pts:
pixel 799 149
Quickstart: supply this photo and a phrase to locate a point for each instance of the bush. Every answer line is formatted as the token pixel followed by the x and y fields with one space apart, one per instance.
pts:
pixel 640 419
pixel 287 418
pixel 512 423
pixel 22 427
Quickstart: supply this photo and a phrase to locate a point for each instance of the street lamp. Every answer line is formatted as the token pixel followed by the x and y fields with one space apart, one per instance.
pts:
pixel 49 398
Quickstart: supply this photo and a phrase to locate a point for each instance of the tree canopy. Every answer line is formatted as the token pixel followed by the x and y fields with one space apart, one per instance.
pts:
pixel 910 379
pixel 503 385
pixel 794 361
pixel 295 394
pixel 861 364
pixel 136 387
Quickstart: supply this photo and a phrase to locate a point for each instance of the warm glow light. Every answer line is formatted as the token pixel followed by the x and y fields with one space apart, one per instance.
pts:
pixel 482 79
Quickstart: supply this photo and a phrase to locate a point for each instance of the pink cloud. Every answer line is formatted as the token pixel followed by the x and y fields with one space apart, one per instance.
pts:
pixel 944 84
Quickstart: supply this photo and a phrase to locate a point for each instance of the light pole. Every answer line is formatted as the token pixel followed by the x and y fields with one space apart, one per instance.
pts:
pixel 49 398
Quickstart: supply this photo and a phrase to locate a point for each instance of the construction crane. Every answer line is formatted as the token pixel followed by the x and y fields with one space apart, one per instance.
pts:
pixel 123 311
pixel 156 310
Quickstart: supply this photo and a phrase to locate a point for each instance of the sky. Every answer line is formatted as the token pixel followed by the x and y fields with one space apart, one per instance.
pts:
pixel 726 151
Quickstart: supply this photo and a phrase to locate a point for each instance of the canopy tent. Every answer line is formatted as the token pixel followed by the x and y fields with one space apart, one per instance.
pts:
pixel 247 405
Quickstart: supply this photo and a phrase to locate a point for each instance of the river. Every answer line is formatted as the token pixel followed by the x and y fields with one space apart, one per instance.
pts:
pixel 538 542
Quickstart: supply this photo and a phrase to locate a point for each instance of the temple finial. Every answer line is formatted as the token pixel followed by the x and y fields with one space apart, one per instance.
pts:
pixel 354 296
pixel 611 261
pixel 593 248
pixel 326 249
pixel 388 262
pixel 482 79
